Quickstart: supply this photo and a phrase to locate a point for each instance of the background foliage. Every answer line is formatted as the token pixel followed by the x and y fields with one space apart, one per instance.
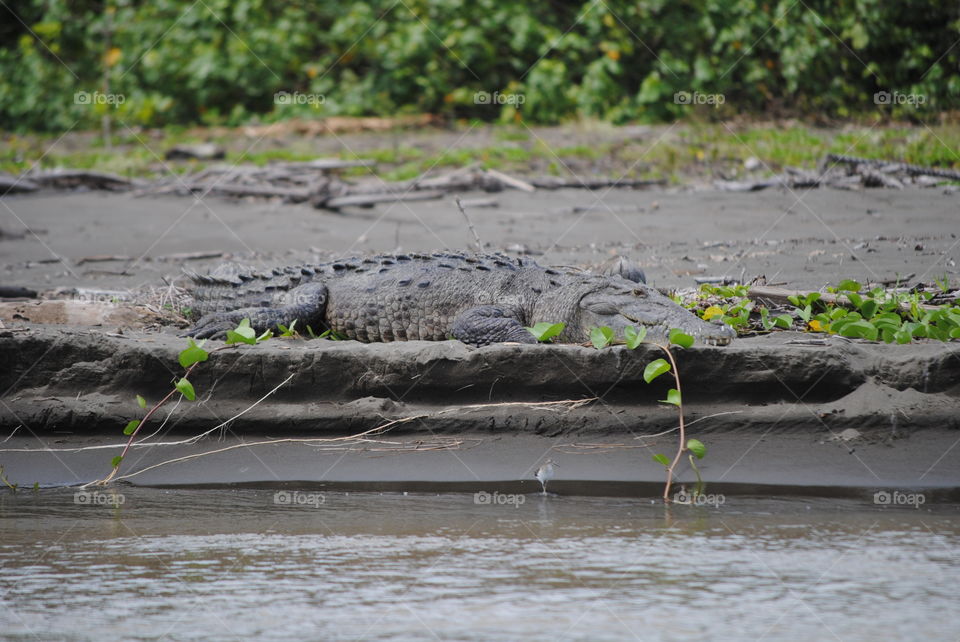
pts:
pixel 221 61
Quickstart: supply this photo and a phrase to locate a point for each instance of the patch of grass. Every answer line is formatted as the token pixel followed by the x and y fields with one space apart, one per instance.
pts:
pixel 405 172
pixel 388 155
pixel 687 149
pixel 582 151
pixel 265 157
pixel 507 134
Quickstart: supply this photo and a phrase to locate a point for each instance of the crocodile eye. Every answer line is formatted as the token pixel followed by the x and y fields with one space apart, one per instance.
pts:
pixel 639 292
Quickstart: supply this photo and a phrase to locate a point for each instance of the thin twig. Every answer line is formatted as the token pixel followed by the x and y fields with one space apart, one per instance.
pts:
pixel 469 224
pixel 162 424
pixel 697 420
pixel 133 435
pixel 269 442
pixel 196 438
pixel 570 403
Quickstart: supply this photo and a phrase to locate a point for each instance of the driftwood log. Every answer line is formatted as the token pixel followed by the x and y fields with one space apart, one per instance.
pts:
pixel 90 179
pixel 848 172
pixel 16 184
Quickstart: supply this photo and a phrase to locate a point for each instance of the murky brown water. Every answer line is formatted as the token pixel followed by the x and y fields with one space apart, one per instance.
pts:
pixel 231 564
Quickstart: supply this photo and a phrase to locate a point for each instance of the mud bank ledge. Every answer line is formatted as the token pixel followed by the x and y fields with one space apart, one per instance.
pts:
pixel 85 381
pixel 775 413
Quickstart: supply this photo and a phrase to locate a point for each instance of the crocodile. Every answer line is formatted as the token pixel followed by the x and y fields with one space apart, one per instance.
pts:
pixel 478 299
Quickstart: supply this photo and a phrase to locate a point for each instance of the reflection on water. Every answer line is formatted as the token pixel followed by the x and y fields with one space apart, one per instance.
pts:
pixel 228 564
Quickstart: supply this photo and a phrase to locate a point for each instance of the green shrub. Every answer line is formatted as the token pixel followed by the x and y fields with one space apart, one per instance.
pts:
pixel 222 61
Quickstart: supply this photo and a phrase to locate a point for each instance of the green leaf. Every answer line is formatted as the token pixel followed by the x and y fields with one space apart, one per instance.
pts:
pixel 680 338
pixel 654 369
pixel 938 333
pixel 141 401
pixel 868 308
pixel 544 331
pixel 243 333
pixel 673 397
pixel 601 337
pixel 765 319
pixel 784 321
pixel 849 286
pixel 902 336
pixel 662 459
pixel 116 461
pixel 860 328
pixel 889 320
pixel 192 354
pixel 131 427
pixel 915 329
pixel 267 334
pixel 186 389
pixel 955 333
pixel 634 337
pixel 285 331
pixel 855 299
pixel 697 448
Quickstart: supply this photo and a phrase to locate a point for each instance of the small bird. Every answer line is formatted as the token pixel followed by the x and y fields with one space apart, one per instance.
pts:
pixel 545 474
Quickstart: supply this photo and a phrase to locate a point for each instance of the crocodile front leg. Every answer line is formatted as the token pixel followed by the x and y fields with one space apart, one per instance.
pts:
pixel 486 324
pixel 307 305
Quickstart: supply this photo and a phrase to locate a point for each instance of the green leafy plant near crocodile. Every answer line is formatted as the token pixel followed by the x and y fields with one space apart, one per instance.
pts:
pixel 848 310
pixel 603 336
pixel 189 358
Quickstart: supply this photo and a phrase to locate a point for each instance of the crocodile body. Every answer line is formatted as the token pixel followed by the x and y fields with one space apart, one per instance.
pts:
pixel 478 299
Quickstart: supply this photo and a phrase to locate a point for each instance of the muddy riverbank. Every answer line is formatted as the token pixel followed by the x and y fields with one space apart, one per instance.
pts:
pixel 769 407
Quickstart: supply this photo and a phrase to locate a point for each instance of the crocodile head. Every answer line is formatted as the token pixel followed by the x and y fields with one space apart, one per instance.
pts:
pixel 617 303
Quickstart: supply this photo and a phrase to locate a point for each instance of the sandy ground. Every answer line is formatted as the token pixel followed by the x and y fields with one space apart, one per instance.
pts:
pixel 902 401
pixel 803 239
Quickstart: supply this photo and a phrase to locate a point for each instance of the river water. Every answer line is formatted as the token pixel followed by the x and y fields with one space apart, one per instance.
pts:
pixel 225 564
